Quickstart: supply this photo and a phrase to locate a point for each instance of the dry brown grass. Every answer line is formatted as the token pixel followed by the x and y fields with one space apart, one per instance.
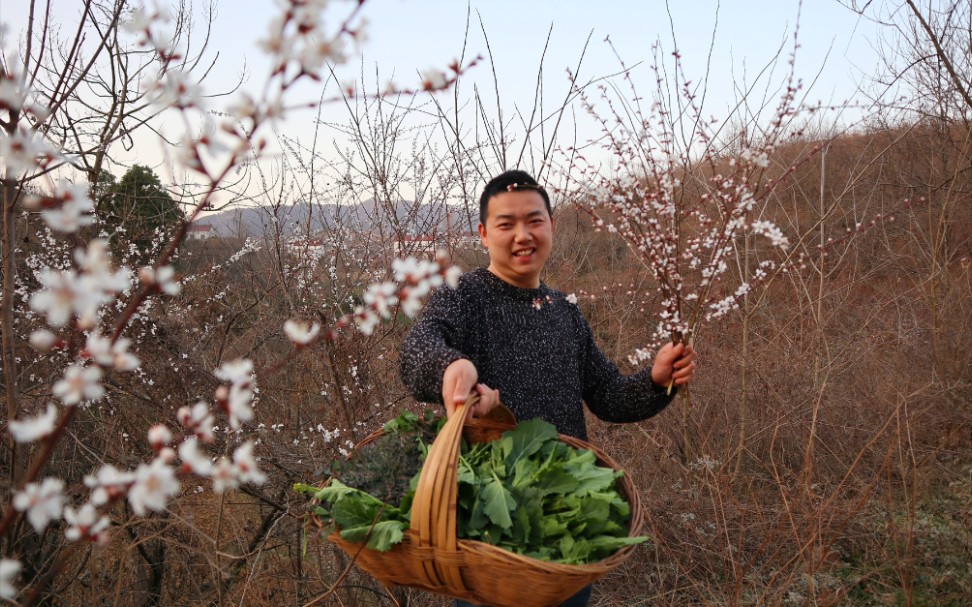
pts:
pixel 851 486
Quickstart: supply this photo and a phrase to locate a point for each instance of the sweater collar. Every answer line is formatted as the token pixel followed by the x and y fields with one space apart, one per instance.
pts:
pixel 505 288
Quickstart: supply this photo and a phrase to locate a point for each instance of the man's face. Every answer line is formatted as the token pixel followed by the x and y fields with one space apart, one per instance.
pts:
pixel 519 234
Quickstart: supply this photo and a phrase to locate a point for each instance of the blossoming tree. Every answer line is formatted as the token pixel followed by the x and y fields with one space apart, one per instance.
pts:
pixel 83 303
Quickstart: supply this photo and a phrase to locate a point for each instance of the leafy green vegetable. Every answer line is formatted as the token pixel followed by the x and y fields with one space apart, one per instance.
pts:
pixel 526 492
pixel 498 503
pixel 381 536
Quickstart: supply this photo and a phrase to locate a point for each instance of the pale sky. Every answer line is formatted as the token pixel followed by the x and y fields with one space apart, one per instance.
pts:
pixel 406 36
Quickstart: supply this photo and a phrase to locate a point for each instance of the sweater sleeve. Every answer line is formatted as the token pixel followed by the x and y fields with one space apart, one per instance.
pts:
pixel 431 345
pixel 615 397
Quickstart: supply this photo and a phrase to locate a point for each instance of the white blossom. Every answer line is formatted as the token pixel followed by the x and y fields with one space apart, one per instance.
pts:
pixel 193 457
pixel 640 356
pixel 246 465
pixel 24 151
pixel 239 371
pixel 242 469
pixel 79 384
pixel 318 50
pixel 75 210
pixel 159 436
pixel 34 428
pixel 244 108
pixel 238 405
pixel 111 355
pixel 769 230
pixel 452 276
pixel 9 570
pixel 86 523
pixel 237 399
pixel 108 484
pixel 12 94
pixel 176 89
pixel 42 502
pixel 224 476
pixel 154 485
pixel 95 262
pixel 138 21
pixel 301 332
pixel 366 319
pixel 199 420
pixel 380 297
pixel 56 299
pixel 572 298
pixel 164 278
pixel 42 340
pixel 434 79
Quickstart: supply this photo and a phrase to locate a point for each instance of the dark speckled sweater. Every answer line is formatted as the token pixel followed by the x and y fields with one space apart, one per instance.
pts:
pixel 533 346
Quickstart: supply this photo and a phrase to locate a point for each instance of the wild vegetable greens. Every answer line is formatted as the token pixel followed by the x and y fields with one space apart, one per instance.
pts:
pixel 526 492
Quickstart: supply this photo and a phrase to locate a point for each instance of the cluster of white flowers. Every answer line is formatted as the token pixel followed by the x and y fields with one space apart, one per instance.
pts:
pixel 162 278
pixel 237 398
pixel 80 293
pixel 640 356
pixel 298 41
pixel 67 210
pixel 198 421
pixel 771 231
pixel 759 158
pixel 42 502
pixel 111 355
pixel 413 280
pixel 722 307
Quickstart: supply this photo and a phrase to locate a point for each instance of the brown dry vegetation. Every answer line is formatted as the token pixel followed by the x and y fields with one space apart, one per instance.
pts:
pixel 851 484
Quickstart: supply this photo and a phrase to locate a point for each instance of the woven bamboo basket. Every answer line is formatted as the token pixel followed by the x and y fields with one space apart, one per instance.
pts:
pixel 432 558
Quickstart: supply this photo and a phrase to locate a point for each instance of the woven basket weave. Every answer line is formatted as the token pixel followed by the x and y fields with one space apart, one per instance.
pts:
pixel 432 558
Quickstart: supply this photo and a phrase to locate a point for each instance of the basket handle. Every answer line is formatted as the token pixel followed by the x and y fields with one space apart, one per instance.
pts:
pixel 434 509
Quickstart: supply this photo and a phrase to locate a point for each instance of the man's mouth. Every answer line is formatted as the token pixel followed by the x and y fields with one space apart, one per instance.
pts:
pixel 523 252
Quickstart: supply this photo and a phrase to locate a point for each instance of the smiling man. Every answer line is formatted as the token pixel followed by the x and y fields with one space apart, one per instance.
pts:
pixel 507 335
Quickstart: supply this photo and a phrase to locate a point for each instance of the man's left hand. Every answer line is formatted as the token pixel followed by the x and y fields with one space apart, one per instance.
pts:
pixel 674 362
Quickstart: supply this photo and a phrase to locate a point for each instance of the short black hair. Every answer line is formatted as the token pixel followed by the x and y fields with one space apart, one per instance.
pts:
pixel 510 181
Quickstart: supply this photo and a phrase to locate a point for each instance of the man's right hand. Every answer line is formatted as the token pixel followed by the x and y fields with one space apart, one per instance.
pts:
pixel 458 381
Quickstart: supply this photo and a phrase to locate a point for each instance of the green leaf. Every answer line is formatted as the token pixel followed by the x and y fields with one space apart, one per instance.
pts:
pixel 405 422
pixel 604 546
pixel 360 509
pixel 527 439
pixel 589 475
pixel 381 537
pixel 306 489
pixel 556 481
pixel 336 490
pixel 553 527
pixel 498 502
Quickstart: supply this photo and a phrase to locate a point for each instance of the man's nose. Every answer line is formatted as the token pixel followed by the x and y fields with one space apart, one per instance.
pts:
pixel 521 232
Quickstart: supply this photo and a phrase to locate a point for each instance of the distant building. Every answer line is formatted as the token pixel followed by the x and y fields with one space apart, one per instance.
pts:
pixel 198 231
pixel 427 246
pixel 417 246
pixel 313 248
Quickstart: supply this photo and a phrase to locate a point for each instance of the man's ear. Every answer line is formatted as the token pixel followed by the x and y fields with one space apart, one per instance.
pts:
pixel 482 235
